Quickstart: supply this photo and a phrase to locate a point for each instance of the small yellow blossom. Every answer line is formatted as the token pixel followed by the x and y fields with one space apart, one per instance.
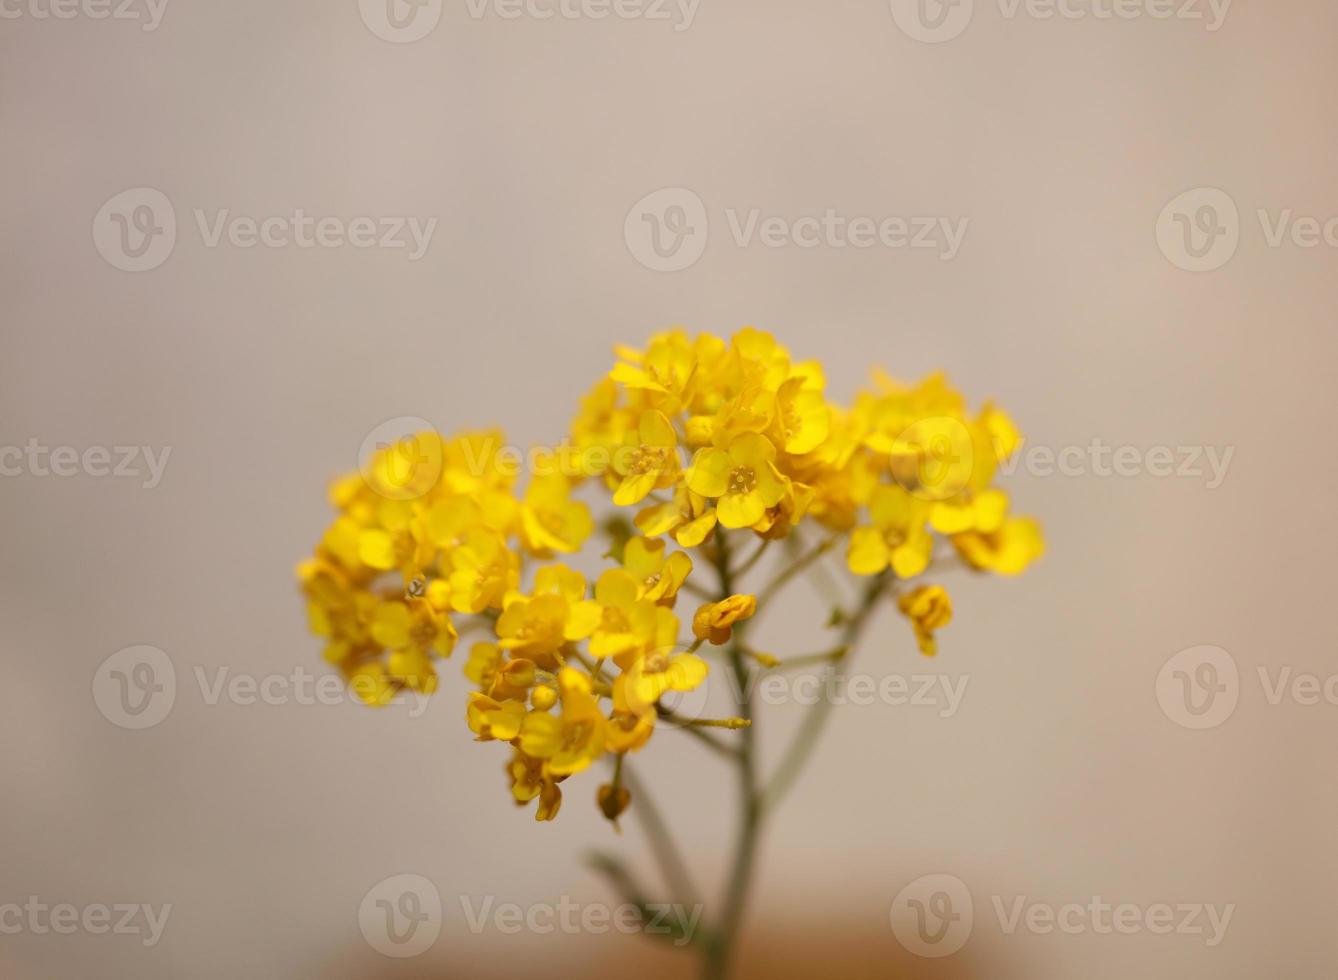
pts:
pixel 1006 551
pixel 688 519
pixel 657 673
pixel 742 480
pixel 928 608
pixel 572 740
pixel 714 622
pixel 550 519
pixel 897 538
pixel 649 459
pixel 660 576
pixel 491 719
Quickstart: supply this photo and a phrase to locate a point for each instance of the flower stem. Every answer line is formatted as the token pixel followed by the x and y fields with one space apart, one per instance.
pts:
pixel 803 562
pixel 721 944
pixel 672 866
pixel 805 740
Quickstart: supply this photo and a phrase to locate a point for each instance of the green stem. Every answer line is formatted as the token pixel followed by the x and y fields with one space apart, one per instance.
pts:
pixel 722 942
pixel 806 739
pixel 672 866
pixel 775 585
pixel 756 556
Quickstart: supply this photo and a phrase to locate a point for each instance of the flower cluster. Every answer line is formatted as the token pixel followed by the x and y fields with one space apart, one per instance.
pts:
pixel 692 445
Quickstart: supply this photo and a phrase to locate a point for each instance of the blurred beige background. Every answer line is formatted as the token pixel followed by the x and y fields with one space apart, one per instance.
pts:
pixel 530 140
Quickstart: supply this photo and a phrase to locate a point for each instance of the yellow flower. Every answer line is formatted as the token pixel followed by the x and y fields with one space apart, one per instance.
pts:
pixel 897 538
pixel 493 720
pixel 714 622
pixel 1006 551
pixel 630 723
pixel 497 675
pixel 629 624
pixel 928 608
pixel 371 683
pixel 803 416
pixel 534 628
pixel 407 469
pixel 529 778
pixel 983 511
pixel 662 372
pixel 660 576
pixel 483 570
pixel 688 519
pixel 550 520
pixel 658 673
pixel 572 740
pixel 648 460
pixel 398 625
pixel 400 542
pixel 743 479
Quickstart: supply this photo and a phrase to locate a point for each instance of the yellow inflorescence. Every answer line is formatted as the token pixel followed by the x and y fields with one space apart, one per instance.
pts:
pixel 700 442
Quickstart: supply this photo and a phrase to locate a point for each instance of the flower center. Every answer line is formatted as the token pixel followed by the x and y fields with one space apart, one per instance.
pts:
pixel 742 479
pixel 648 459
pixel 615 621
pixel 574 736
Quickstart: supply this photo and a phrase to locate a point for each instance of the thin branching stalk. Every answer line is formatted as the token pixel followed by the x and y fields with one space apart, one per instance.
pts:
pixel 672 866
